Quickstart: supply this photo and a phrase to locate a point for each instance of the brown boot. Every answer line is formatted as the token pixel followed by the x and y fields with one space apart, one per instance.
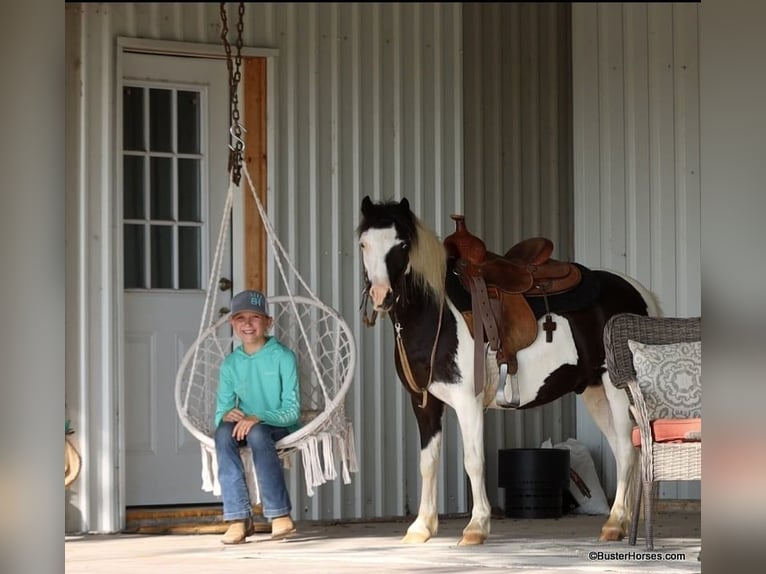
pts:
pixel 281 527
pixel 238 531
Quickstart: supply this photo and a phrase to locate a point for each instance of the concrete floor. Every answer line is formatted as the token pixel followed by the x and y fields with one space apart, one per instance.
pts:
pixel 516 545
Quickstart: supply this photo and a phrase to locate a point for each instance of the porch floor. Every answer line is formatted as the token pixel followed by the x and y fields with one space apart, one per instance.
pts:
pixel 526 545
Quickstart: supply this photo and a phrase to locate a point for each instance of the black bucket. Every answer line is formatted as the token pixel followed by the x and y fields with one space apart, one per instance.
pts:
pixel 534 480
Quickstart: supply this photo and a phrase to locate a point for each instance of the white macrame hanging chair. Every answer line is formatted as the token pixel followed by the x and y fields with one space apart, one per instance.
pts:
pixel 326 353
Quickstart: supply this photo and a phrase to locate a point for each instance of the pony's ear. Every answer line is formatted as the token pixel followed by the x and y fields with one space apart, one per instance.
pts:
pixel 366 205
pixel 404 204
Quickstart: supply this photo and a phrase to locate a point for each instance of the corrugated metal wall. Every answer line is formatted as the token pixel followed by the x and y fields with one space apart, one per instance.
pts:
pixel 518 164
pixel 637 159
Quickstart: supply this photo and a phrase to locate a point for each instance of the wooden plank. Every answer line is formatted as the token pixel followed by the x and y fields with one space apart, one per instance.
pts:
pixel 207 519
pixel 255 157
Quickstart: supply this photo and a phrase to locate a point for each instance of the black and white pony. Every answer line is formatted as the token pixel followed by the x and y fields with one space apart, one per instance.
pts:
pixel 407 273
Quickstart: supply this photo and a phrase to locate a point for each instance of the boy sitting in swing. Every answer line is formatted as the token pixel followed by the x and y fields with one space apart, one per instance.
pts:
pixel 257 404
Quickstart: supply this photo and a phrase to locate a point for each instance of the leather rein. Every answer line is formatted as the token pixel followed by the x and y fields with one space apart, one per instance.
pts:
pixel 369 321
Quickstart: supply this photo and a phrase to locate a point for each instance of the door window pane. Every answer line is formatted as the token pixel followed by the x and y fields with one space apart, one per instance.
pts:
pixel 188 122
pixel 162 256
pixel 134 257
pixel 189 264
pixel 133 118
pixel 160 120
pixel 161 190
pixel 133 187
pixel 189 192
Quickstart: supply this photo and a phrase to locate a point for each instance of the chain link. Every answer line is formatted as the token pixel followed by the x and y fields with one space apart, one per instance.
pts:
pixel 236 143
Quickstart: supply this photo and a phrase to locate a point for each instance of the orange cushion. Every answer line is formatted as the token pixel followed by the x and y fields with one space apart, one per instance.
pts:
pixel 672 430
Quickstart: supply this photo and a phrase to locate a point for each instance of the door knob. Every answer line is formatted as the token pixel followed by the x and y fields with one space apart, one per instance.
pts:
pixel 222 311
pixel 224 284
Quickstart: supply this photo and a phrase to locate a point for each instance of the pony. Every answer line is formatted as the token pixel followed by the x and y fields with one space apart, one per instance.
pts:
pixel 409 275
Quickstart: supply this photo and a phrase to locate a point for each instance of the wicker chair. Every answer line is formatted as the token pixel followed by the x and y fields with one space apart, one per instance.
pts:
pixel 659 460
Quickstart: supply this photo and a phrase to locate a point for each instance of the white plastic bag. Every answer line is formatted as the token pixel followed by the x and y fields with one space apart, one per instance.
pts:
pixel 584 485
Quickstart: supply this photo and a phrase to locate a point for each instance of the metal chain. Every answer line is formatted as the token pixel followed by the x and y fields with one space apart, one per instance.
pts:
pixel 236 143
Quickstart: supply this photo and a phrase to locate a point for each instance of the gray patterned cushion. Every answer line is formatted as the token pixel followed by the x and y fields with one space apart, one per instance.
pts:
pixel 669 377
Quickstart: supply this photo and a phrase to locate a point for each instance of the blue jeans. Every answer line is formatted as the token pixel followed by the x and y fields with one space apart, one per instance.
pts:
pixel 268 469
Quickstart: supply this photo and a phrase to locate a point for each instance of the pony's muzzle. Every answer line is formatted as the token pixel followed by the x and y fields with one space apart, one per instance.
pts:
pixel 382 297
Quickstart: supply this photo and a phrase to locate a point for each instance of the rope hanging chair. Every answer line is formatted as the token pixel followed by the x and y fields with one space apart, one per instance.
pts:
pixel 321 339
pixel 326 355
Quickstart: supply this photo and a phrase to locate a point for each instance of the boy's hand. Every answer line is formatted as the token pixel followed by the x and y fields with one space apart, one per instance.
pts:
pixel 243 427
pixel 234 416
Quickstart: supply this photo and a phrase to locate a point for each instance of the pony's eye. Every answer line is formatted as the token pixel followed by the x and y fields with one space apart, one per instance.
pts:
pixel 362 245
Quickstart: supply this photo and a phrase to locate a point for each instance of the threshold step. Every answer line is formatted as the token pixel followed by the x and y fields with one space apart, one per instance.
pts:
pixel 182 519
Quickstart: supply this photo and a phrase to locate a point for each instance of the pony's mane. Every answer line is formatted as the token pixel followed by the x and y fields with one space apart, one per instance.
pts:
pixel 428 260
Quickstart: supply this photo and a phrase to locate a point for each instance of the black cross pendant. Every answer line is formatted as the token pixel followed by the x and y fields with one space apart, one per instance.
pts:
pixel 549 325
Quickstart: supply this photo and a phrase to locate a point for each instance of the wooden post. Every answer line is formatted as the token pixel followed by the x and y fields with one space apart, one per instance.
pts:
pixel 256 153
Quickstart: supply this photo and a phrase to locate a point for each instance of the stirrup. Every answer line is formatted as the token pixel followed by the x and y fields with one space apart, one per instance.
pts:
pixel 500 393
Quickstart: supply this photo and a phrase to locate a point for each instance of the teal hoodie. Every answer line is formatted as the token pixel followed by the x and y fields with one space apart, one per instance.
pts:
pixel 264 384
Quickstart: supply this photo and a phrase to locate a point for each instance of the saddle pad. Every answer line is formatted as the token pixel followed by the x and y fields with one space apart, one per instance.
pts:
pixel 672 430
pixel 584 295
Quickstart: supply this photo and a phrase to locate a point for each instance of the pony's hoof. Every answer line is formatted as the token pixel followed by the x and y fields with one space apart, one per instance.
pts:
pixel 416 538
pixel 611 534
pixel 472 539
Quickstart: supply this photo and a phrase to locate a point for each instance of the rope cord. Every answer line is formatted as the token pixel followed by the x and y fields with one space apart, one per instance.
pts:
pixel 208 316
pixel 280 254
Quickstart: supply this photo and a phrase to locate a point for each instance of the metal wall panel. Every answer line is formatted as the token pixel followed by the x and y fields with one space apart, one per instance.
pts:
pixel 636 161
pixel 91 319
pixel 369 104
pixel 368 101
pixel 518 165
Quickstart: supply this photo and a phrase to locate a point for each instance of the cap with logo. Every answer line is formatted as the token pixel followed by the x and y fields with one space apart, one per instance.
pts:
pixel 249 300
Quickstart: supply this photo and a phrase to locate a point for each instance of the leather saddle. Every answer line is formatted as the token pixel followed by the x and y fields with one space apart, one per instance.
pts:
pixel 499 287
pixel 526 268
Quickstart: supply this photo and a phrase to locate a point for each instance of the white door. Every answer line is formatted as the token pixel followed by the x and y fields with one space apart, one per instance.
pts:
pixel 174 154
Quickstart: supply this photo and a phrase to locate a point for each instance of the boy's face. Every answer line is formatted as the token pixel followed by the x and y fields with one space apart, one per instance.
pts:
pixel 250 327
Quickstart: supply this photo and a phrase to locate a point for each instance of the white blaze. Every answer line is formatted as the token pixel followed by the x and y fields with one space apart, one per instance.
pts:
pixel 375 244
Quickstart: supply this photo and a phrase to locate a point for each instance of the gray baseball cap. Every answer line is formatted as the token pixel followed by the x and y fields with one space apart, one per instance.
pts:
pixel 249 300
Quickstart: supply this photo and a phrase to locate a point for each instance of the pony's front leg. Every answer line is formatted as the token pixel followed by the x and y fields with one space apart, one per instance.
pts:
pixel 429 418
pixel 471 419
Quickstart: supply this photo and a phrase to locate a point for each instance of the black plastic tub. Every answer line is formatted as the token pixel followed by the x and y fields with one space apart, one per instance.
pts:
pixel 534 480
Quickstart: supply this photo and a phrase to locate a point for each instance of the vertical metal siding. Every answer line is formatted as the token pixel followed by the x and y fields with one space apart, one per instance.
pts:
pixel 352 80
pixel 518 165
pixel 636 157
pixel 90 326
pixel 368 101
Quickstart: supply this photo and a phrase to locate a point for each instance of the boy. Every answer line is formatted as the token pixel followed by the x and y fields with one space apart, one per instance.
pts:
pixel 257 404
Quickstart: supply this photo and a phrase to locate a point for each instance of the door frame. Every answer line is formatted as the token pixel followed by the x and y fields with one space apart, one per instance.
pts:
pixel 112 500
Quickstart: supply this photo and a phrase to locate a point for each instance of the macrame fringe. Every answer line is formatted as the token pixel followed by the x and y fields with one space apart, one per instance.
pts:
pixel 207 478
pixel 350 452
pixel 318 464
pixel 329 459
pixel 210 471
